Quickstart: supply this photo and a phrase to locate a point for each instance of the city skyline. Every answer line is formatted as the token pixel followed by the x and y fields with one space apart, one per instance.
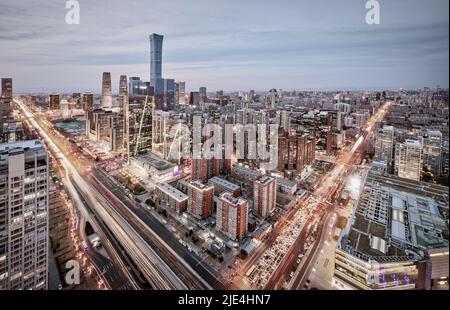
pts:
pixel 256 148
pixel 234 46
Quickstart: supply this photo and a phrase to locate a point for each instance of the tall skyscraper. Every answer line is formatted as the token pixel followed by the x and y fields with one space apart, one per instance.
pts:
pixel 182 92
pixel 264 195
pixel 169 94
pixel 296 152
pixel 177 93
pixel 138 125
pixel 88 101
pixel 408 159
pixel 123 90
pixel 23 216
pixel 202 94
pixel 200 168
pixel 76 98
pixel 53 101
pixel 384 146
pixel 134 84
pixel 272 99
pixel 200 202
pixel 232 216
pixel 432 151
pixel 194 99
pixel 7 91
pixel 156 42
pixel 106 90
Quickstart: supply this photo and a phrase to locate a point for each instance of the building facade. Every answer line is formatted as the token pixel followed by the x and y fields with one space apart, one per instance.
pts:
pixel 384 146
pixel 200 202
pixel 408 159
pixel 23 216
pixel 138 125
pixel 264 196
pixel 7 89
pixel 54 101
pixel 171 196
pixel 106 90
pixel 232 216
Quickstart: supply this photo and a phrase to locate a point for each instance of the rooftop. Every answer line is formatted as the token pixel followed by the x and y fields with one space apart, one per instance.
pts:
pixel 224 183
pixel 265 179
pixel 199 185
pixel 232 200
pixel 397 219
pixel 171 191
pixel 28 144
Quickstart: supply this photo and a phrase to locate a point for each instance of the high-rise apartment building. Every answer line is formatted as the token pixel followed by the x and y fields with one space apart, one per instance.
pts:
pixel 106 90
pixel 232 216
pixel 408 159
pixel 432 151
pixel 76 98
pixel 296 152
pixel 205 168
pixel 264 196
pixel 23 216
pixel 7 91
pixel 88 101
pixel 200 203
pixel 384 146
pixel 54 101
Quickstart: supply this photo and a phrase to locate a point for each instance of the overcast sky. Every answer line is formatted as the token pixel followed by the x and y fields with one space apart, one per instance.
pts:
pixel 230 45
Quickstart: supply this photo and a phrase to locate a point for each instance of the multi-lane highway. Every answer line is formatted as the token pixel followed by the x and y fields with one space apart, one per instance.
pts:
pixel 128 229
pixel 331 188
pixel 194 262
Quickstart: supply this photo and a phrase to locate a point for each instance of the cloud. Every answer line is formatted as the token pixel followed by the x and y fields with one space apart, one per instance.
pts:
pixel 227 44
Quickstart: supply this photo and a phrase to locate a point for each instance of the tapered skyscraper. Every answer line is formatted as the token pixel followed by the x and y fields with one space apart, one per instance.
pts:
pixel 156 42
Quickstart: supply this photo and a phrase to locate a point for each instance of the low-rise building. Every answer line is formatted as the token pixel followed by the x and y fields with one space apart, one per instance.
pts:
pixel 398 230
pixel 222 185
pixel 171 196
pixel 156 167
pixel 245 174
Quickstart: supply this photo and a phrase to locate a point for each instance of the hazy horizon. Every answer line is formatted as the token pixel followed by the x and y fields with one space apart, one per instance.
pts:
pixel 237 45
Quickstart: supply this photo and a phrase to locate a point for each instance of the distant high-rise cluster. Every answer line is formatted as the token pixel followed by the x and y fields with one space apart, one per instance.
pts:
pixel 375 156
